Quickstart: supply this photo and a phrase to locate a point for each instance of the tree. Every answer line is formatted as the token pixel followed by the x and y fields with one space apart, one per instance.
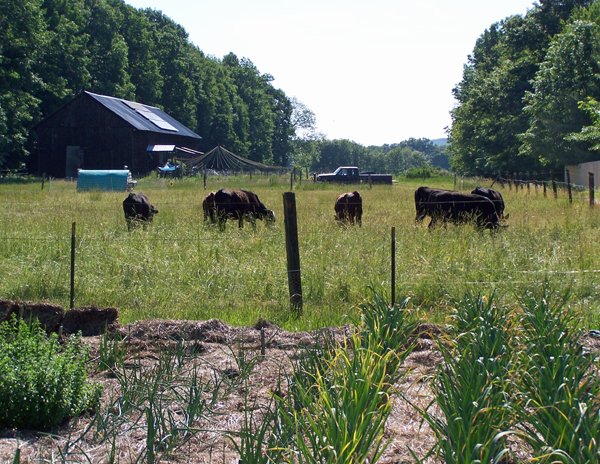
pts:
pixel 281 144
pixel 306 140
pixel 176 58
pixel 64 69
pixel 570 74
pixel 435 154
pixel 489 115
pixel 589 135
pixel 108 51
pixel 22 38
pixel 340 152
pixel 252 87
pixel 143 57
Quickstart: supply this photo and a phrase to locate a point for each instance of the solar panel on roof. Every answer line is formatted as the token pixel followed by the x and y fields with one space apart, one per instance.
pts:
pixel 148 114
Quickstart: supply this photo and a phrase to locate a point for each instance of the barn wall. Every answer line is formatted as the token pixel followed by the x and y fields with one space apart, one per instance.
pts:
pixel 579 173
pixel 106 140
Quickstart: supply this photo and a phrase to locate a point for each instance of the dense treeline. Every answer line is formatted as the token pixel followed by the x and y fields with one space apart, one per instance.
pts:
pixel 50 50
pixel 528 97
pixel 53 49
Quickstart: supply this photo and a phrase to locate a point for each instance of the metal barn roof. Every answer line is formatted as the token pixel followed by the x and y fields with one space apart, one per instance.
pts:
pixel 144 117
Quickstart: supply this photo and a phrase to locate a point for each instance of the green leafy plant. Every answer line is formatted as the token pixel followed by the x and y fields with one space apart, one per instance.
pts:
pixel 41 382
pixel 339 416
pixel 560 415
pixel 339 394
pixel 388 328
pixel 111 352
pixel 472 385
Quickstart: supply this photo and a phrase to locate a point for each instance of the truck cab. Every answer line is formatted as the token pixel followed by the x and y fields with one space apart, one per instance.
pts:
pixel 351 174
pixel 346 171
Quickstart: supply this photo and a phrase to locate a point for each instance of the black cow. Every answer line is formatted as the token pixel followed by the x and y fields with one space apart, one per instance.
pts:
pixel 450 206
pixel 496 198
pixel 138 209
pixel 240 205
pixel 348 208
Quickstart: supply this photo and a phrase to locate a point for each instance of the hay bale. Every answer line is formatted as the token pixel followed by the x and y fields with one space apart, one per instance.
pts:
pixel 90 321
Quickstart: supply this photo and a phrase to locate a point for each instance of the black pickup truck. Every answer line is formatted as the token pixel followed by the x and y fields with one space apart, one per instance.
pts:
pixel 351 175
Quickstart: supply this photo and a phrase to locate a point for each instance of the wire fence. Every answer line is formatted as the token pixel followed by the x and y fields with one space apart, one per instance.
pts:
pixel 252 262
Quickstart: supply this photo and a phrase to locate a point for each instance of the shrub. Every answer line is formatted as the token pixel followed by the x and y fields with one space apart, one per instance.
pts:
pixel 41 382
pixel 422 172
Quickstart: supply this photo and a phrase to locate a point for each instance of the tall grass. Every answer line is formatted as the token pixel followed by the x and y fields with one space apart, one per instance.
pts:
pixel 180 268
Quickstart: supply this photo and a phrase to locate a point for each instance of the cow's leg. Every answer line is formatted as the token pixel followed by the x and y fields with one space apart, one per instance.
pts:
pixel 221 219
pixel 241 221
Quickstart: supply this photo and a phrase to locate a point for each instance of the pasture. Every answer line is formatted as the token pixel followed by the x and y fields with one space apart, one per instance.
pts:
pixel 179 268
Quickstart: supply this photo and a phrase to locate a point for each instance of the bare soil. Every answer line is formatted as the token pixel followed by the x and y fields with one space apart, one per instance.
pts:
pixel 215 349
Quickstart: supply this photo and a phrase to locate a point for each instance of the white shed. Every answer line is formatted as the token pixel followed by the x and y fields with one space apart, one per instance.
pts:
pixel 579 173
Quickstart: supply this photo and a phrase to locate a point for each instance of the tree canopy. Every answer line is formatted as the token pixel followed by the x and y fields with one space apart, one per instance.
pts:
pixel 51 50
pixel 519 103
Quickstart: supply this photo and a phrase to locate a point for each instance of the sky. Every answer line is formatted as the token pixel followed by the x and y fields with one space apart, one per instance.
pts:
pixel 372 71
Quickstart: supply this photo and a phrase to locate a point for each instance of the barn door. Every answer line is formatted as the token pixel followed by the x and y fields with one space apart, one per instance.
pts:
pixel 74 160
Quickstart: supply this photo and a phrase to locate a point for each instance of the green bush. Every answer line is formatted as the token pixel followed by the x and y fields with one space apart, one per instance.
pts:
pixel 41 382
pixel 422 172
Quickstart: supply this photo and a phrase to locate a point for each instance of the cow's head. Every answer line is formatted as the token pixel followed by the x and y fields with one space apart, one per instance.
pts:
pixel 270 216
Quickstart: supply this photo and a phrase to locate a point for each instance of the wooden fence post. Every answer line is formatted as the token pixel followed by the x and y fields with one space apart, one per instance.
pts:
pixel 204 176
pixel 292 251
pixel 72 294
pixel 569 188
pixel 591 185
pixel 292 180
pixel 544 187
pixel 554 189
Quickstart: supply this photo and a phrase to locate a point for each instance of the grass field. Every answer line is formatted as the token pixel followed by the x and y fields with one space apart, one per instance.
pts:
pixel 179 268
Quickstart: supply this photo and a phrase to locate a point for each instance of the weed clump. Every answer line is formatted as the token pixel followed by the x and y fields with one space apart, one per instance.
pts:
pixel 42 383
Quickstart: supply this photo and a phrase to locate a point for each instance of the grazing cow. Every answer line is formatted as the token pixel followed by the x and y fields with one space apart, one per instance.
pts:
pixel 138 209
pixel 348 208
pixel 450 206
pixel 496 198
pixel 208 206
pixel 240 205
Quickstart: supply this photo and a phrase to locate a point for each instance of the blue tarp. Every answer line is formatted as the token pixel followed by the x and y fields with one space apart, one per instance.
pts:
pixel 168 167
pixel 110 179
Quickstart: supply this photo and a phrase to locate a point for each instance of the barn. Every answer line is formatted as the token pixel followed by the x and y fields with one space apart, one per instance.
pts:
pixel 100 132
